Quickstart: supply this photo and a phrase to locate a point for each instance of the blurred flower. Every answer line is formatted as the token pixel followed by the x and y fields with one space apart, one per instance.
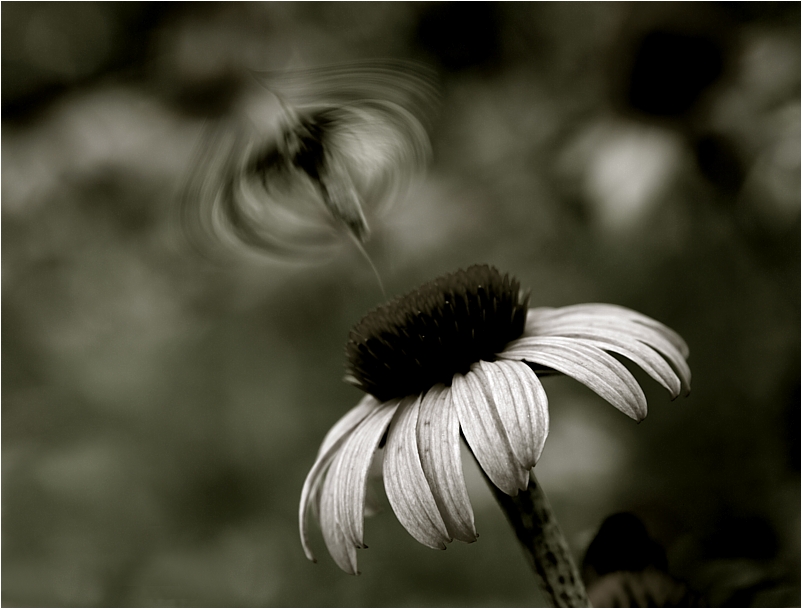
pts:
pixel 647 588
pixel 306 155
pixel 624 169
pixel 460 355
pixel 625 567
pixel 622 544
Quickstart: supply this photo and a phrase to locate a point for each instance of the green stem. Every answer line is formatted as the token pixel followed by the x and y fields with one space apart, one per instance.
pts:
pixel 547 550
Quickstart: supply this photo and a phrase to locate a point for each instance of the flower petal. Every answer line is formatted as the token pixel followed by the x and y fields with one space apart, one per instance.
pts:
pixel 613 324
pixel 350 471
pixel 640 353
pixel 407 489
pixel 349 420
pixel 588 364
pixel 343 552
pixel 609 311
pixel 342 501
pixel 522 405
pixel 645 357
pixel 484 432
pixel 331 443
pixel 439 450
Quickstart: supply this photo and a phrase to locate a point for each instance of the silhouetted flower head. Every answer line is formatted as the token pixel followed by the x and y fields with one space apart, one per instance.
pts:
pixel 459 355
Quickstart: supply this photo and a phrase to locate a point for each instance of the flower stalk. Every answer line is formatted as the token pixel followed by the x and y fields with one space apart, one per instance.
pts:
pixel 545 546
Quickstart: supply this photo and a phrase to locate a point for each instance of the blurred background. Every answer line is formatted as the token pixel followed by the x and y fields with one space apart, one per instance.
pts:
pixel 160 410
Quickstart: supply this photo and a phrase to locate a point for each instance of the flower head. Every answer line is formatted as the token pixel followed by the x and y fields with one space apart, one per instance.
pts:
pixel 459 355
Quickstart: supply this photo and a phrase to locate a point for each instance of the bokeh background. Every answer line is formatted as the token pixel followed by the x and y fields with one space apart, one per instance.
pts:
pixel 160 410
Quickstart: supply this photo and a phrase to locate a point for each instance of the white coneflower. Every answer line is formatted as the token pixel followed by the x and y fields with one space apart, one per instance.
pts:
pixel 459 355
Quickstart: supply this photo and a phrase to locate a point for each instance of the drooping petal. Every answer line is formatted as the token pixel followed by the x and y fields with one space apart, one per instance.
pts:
pixel 343 552
pixel 581 312
pixel 331 443
pixel 439 450
pixel 586 363
pixel 407 489
pixel 350 471
pixel 484 432
pixel 617 325
pixel 643 355
pixel 342 497
pixel 349 420
pixel 653 340
pixel 522 405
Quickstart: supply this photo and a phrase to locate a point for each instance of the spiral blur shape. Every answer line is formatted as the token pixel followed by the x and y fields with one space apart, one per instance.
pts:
pixel 307 158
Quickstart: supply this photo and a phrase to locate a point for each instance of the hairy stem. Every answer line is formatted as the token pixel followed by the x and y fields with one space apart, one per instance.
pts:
pixel 546 549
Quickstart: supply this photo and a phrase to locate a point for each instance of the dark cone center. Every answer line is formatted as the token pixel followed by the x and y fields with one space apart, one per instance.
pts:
pixel 409 344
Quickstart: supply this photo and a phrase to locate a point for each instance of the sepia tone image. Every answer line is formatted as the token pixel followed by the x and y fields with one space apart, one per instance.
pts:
pixel 389 304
